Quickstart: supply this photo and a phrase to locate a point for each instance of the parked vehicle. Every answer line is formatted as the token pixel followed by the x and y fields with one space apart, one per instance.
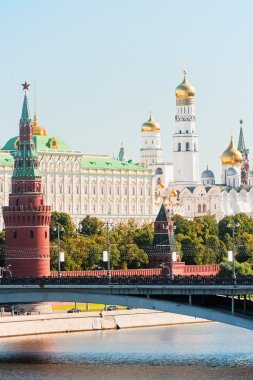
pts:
pixel 74 310
pixel 18 311
pixel 112 307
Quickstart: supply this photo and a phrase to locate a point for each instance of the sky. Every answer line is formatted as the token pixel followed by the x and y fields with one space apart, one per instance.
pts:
pixel 100 65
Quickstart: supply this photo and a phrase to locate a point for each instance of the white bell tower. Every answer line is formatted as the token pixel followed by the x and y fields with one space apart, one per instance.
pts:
pixel 151 150
pixel 185 138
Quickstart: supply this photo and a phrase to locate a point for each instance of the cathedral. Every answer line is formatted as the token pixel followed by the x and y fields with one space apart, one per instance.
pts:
pixel 179 186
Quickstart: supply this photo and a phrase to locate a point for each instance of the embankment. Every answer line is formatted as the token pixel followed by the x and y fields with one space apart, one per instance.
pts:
pixel 90 321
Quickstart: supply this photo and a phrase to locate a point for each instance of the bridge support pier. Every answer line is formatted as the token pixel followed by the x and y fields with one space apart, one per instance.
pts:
pixel 233 304
pixel 190 299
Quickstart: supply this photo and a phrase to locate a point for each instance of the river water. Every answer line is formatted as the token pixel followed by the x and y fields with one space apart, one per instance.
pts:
pixel 199 351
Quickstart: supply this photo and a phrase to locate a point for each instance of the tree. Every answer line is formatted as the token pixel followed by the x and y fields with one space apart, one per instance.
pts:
pixel 91 226
pixel 245 225
pixel 206 226
pixel 183 226
pixel 66 225
pixel 144 236
pixel 218 248
pixel 136 257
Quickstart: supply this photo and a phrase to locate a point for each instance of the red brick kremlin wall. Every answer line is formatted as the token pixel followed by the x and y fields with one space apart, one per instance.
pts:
pixel 178 269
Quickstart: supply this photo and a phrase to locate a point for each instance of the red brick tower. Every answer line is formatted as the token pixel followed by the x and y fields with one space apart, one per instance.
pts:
pixel 27 218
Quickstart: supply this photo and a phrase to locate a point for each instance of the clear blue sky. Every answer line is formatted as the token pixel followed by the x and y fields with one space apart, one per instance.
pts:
pixel 100 64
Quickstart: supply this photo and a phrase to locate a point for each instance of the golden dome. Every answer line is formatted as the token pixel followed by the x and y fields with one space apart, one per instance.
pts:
pixel 37 129
pixel 185 89
pixel 173 194
pixel 151 125
pixel 160 186
pixel 231 156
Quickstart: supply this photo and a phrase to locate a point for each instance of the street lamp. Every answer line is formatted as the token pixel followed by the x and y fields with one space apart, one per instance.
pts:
pixel 173 254
pixel 233 225
pixel 59 229
pixel 106 254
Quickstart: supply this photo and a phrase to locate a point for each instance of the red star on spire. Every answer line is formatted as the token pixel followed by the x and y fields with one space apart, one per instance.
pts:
pixel 25 85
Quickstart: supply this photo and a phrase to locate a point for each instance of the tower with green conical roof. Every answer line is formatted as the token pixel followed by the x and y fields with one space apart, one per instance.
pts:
pixel 245 152
pixel 27 218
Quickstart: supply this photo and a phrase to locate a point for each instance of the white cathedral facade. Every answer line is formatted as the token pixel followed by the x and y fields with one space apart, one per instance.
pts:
pixel 179 185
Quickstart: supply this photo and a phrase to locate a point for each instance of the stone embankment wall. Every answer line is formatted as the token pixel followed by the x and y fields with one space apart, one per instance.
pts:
pixel 91 321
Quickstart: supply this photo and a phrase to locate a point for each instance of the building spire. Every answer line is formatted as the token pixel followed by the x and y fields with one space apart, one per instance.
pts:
pixel 25 115
pixel 241 142
pixel 25 159
pixel 122 156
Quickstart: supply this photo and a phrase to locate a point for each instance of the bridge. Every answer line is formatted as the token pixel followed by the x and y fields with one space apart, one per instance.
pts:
pixel 186 296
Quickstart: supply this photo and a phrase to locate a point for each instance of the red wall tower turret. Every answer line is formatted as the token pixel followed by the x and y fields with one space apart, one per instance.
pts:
pixel 27 218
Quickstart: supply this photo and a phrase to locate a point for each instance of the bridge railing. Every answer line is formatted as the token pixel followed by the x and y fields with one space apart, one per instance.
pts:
pixel 123 280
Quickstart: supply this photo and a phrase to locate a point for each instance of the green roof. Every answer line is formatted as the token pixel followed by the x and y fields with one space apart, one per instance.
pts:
pixel 6 159
pixel 40 142
pixel 110 163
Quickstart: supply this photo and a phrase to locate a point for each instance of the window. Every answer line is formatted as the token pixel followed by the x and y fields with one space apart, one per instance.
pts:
pixel 186 131
pixel 15 234
pixel 204 208
pixel 159 171
pixel 179 147
pixel 45 234
pixel 187 147
pixel 199 208
pixel 195 148
pixel 31 234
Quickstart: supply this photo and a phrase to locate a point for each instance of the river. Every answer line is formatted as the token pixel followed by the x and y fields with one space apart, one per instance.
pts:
pixel 200 351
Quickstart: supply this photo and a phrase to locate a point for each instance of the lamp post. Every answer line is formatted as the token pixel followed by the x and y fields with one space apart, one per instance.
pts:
pixel 108 225
pixel 173 256
pixel 59 229
pixel 233 225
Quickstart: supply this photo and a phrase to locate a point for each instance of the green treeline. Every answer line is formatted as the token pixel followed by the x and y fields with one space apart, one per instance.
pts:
pixel 200 241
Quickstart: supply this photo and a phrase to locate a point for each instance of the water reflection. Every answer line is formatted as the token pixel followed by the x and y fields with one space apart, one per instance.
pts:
pixel 201 349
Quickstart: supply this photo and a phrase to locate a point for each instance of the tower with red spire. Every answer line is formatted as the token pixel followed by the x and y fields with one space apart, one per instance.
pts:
pixel 27 218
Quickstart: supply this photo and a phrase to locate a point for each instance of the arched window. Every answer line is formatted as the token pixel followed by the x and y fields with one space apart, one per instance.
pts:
pixel 195 147
pixel 17 202
pixel 187 147
pixel 31 234
pixel 179 147
pixel 45 234
pixel 158 171
pixel 204 208
pixel 199 208
pixel 186 131
pixel 15 234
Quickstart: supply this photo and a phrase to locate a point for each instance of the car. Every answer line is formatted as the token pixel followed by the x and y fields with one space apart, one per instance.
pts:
pixel 18 311
pixel 112 307
pixel 74 310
